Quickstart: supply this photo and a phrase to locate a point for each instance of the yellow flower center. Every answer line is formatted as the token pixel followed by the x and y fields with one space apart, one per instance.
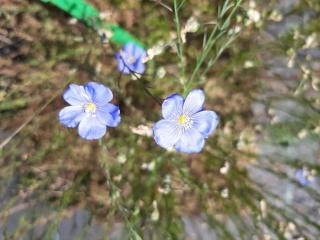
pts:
pixel 182 119
pixel 90 107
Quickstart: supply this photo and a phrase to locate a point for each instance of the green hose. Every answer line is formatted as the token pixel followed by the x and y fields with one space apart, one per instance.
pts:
pixel 89 15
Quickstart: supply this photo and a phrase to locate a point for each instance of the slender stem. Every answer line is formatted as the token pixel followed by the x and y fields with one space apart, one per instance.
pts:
pixel 179 43
pixel 219 31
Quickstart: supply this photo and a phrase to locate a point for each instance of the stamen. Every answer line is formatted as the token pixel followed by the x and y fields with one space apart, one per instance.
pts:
pixel 90 108
pixel 185 121
pixel 182 119
pixel 131 59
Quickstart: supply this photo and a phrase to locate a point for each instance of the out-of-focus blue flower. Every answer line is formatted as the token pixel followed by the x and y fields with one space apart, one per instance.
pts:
pixel 130 59
pixel 186 124
pixel 90 110
pixel 304 177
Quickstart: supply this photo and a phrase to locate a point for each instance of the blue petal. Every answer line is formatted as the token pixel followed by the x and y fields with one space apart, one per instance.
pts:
pixel 172 106
pixel 99 93
pixel 139 67
pixel 75 95
pixel 191 141
pixel 109 115
pixel 129 48
pixel 121 66
pixel 139 52
pixel 71 116
pixel 90 128
pixel 205 122
pixel 166 133
pixel 301 178
pixel 194 102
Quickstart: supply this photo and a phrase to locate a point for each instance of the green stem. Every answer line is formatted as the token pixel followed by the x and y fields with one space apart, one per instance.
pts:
pixel 217 33
pixel 179 44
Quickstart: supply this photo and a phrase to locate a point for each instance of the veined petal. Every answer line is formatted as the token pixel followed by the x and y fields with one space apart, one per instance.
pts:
pixel 205 122
pixel 166 133
pixel 121 66
pixel 191 141
pixel 139 52
pixel 75 95
pixel 99 93
pixel 71 116
pixel 90 128
pixel 139 67
pixel 109 115
pixel 194 102
pixel 129 48
pixel 172 106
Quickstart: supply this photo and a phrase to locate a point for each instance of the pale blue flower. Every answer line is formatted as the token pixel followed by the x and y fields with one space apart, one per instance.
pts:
pixel 130 59
pixel 90 110
pixel 304 177
pixel 186 124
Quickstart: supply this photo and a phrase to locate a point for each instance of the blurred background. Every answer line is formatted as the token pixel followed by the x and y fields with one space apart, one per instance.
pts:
pixel 258 175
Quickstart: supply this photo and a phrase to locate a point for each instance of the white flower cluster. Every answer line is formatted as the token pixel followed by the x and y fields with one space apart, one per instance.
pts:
pixel 254 16
pixel 191 26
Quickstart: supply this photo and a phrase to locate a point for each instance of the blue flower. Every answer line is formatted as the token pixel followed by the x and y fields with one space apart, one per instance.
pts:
pixel 304 177
pixel 130 59
pixel 186 124
pixel 90 110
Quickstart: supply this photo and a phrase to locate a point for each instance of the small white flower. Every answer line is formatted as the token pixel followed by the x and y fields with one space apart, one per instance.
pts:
pixel 254 15
pixel 252 4
pixel 303 133
pixel 225 169
pixel 155 50
pixel 317 130
pixel 142 130
pixel 161 72
pixel 311 41
pixel 165 190
pixel 73 21
pixel 275 16
pixel 148 166
pixel 122 158
pixel 248 64
pixel 191 26
pixel 105 15
pixel 235 30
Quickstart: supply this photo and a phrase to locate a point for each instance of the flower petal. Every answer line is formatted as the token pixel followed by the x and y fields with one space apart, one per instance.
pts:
pixel 301 178
pixel 121 66
pixel 129 48
pixel 75 95
pixel 166 133
pixel 109 115
pixel 205 122
pixel 191 141
pixel 172 106
pixel 90 128
pixel 139 67
pixel 71 116
pixel 139 53
pixel 99 93
pixel 194 102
